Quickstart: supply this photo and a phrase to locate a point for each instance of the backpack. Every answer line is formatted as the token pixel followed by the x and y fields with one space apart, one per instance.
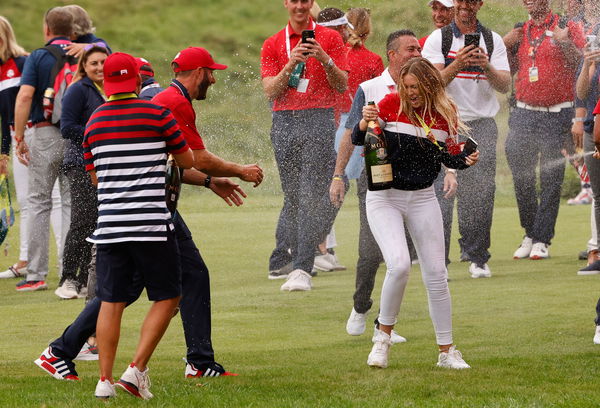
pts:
pixel 447 41
pixel 61 77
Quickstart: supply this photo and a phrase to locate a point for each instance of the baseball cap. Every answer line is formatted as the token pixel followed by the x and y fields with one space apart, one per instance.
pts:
pixel 445 3
pixel 144 67
pixel 120 73
pixel 195 57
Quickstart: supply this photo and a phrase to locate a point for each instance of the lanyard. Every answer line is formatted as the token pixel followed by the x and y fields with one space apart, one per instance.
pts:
pixel 534 44
pixel 427 129
pixel 288 47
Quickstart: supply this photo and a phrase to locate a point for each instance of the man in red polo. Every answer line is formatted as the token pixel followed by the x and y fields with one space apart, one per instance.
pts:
pixel 302 80
pixel 547 51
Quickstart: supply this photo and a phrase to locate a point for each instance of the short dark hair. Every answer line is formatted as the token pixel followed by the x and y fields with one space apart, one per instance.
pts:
pixel 397 34
pixel 329 14
pixel 59 21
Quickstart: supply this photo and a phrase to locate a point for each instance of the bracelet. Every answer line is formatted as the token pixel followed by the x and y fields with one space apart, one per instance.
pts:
pixel 338 178
pixel 575 120
pixel 329 63
pixel 451 171
pixel 207 181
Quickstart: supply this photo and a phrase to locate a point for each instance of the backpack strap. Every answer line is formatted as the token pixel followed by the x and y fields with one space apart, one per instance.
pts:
pixel 488 39
pixel 446 41
pixel 58 54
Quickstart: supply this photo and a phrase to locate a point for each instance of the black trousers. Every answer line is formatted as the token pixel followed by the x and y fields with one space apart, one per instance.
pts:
pixel 194 305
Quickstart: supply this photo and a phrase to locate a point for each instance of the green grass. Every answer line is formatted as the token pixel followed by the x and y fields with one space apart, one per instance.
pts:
pixel 526 332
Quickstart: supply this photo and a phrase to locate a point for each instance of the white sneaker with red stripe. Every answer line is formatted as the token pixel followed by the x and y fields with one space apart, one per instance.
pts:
pixel 105 389
pixel 135 382
pixel 57 367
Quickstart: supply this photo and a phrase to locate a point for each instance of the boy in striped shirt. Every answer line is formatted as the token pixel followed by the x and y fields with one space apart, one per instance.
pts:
pixel 125 149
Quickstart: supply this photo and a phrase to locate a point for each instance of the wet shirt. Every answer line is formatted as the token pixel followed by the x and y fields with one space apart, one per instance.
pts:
pixel 126 143
pixel 416 161
pixel 364 65
pixel 177 100
pixel 538 51
pixel 10 77
pixel 274 57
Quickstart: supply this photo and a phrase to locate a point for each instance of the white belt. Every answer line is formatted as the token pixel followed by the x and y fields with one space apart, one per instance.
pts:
pixel 553 108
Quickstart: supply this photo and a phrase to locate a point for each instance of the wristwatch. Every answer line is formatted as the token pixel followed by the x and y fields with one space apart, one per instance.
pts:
pixel 329 63
pixel 575 120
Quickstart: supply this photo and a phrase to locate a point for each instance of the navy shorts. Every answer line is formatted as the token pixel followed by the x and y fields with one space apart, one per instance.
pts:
pixel 155 264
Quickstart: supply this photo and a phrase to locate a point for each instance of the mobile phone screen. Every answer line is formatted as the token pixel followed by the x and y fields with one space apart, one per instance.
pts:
pixel 306 34
pixel 470 146
pixel 472 39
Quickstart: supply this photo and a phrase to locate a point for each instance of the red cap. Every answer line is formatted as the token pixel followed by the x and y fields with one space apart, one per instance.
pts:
pixel 145 67
pixel 195 57
pixel 120 73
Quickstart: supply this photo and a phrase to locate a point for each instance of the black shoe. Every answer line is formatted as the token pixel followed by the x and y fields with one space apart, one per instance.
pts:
pixel 591 269
pixel 282 272
pixel 583 255
pixel 212 369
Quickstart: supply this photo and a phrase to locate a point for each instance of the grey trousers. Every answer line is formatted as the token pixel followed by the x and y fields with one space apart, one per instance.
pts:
pixel 45 166
pixel 593 168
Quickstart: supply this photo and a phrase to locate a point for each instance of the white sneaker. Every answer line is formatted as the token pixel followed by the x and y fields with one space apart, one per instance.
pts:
pixel 337 266
pixel 68 290
pixel 396 338
pixel 378 357
pixel 539 251
pixel 452 359
pixel 14 272
pixel 524 249
pixel 135 382
pixel 104 389
pixel 87 353
pixel 324 262
pixel 356 324
pixel 597 335
pixel 477 271
pixel 297 280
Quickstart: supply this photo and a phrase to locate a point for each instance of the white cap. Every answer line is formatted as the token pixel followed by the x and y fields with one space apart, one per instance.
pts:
pixel 445 3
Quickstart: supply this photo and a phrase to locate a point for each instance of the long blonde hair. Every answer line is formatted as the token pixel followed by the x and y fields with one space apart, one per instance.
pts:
pixel 360 18
pixel 8 43
pixel 433 92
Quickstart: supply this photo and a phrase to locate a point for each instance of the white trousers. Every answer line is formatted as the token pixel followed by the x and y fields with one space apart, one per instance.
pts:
pixel 387 212
pixel 21 180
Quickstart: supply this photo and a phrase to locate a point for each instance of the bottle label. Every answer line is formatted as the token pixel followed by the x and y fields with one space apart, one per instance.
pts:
pixel 382 173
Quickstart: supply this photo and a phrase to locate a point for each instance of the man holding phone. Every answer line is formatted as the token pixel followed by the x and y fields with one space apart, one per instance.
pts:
pixel 547 51
pixel 302 75
pixel 474 68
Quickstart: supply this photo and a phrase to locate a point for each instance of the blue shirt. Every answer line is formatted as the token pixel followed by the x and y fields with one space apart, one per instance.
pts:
pixel 36 73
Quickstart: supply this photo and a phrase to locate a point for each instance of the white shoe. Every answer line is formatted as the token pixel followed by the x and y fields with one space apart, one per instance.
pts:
pixel 378 357
pixel 324 262
pixel 524 249
pixel 135 382
pixel 87 353
pixel 477 271
pixel 297 280
pixel 68 290
pixel 452 359
pixel 104 389
pixel 337 266
pixel 597 335
pixel 539 251
pixel 356 324
pixel 83 292
pixel 396 338
pixel 14 272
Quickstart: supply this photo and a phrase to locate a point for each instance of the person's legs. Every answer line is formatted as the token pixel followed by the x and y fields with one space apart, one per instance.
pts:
pixel 108 331
pixel 447 208
pixel 21 179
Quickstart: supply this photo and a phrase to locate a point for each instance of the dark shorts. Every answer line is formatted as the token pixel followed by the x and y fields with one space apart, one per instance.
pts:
pixel 154 264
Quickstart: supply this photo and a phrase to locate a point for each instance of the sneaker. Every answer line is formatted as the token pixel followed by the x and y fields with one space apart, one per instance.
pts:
pixel 212 369
pixel 297 280
pixel 13 272
pixel 324 262
pixel 583 198
pixel 356 324
pixel 281 273
pixel 583 255
pixel 480 271
pixel 378 357
pixel 30 286
pixel 396 338
pixel 82 292
pixel 68 290
pixel 524 249
pixel 539 251
pixel 337 266
pixel 87 353
pixel 452 359
pixel 105 389
pixel 597 335
pixel 135 382
pixel 592 269
pixel 57 367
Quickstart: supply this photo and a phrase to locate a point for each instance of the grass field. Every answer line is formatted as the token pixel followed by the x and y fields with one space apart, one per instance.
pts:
pixel 527 332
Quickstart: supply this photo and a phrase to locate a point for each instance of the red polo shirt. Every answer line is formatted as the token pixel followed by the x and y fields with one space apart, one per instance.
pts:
pixel 176 99
pixel 556 79
pixel 597 109
pixel 364 65
pixel 319 94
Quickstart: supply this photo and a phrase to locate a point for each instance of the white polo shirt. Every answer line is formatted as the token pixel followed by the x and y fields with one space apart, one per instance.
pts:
pixel 471 90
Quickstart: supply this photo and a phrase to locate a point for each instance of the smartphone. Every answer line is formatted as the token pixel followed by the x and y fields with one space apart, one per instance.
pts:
pixel 306 34
pixel 470 146
pixel 472 39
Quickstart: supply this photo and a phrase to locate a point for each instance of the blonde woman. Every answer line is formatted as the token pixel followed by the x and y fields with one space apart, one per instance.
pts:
pixel 420 121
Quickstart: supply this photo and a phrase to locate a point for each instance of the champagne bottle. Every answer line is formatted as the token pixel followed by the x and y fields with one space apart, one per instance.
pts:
pixel 377 163
pixel 172 184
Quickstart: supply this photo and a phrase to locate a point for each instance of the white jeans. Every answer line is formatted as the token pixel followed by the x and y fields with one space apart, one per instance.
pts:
pixel 21 180
pixel 387 212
